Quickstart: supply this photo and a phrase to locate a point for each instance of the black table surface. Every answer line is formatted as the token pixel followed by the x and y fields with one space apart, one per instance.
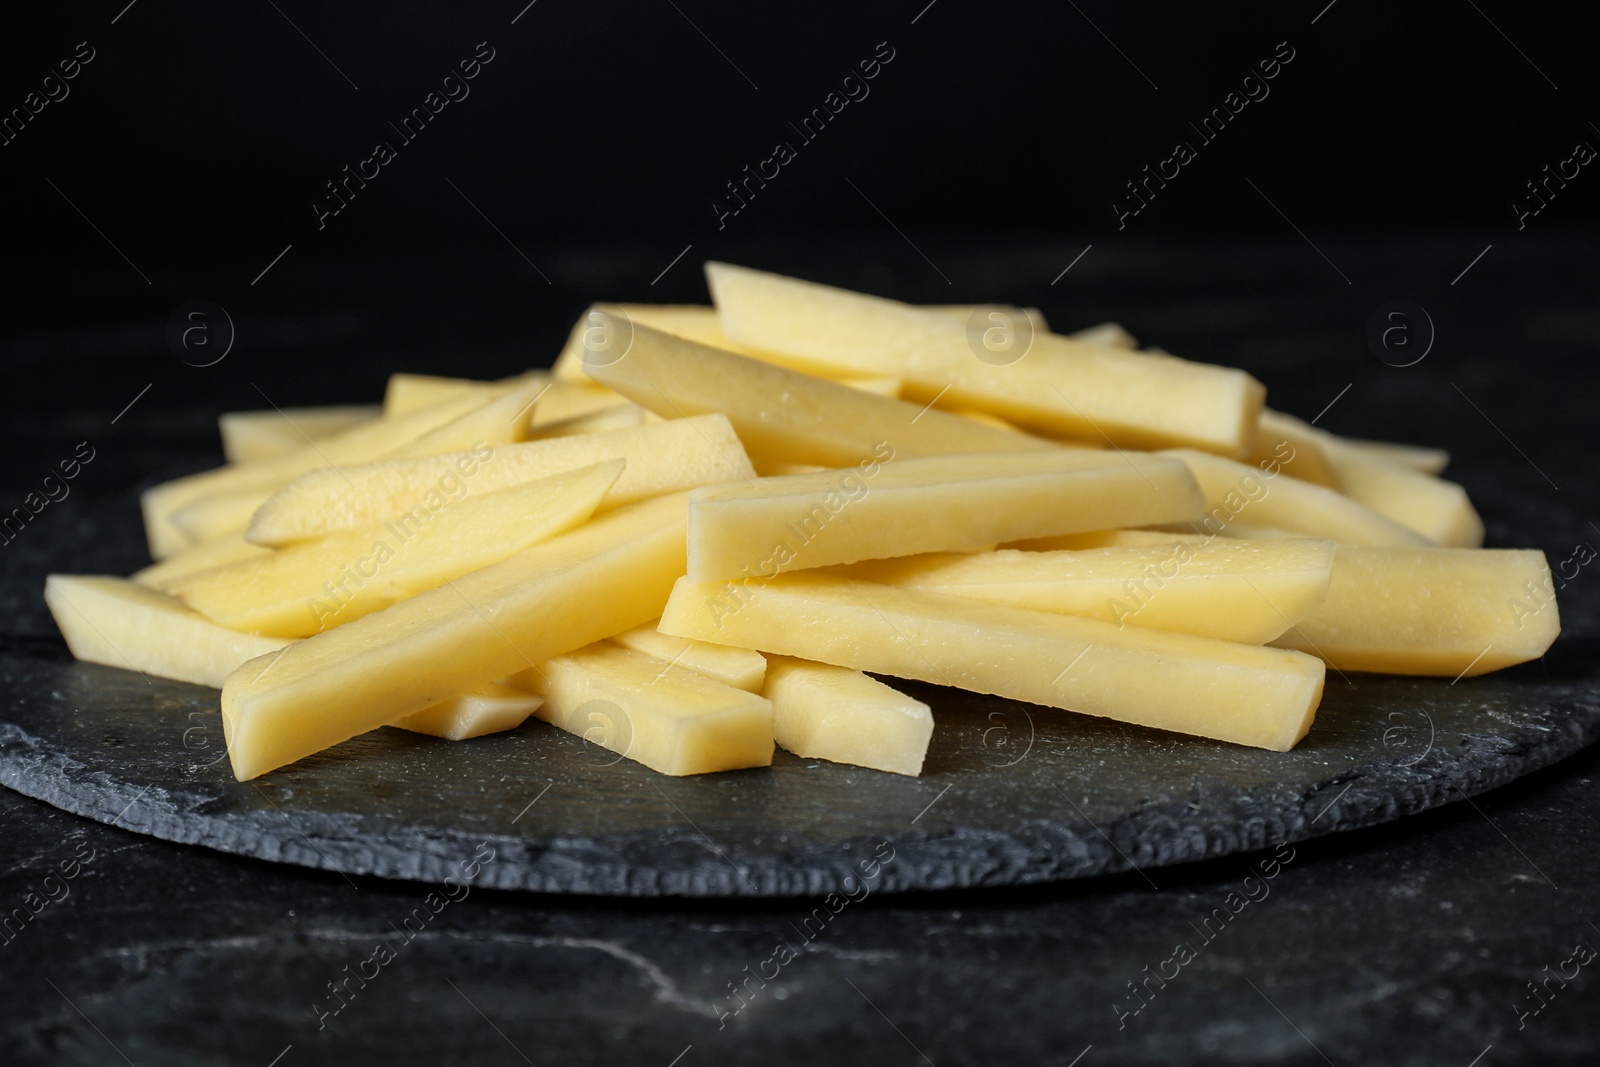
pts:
pixel 1461 936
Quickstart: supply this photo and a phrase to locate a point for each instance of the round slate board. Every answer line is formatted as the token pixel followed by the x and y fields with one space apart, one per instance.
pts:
pixel 1010 793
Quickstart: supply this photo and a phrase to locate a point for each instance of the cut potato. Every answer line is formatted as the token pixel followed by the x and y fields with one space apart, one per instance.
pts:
pixel 566 400
pixel 252 436
pixel 779 470
pixel 605 577
pixel 820 711
pixel 668 457
pixel 889 387
pixel 1426 460
pixel 1110 539
pixel 929 504
pixel 699 322
pixel 991 420
pixel 1295 447
pixel 219 516
pixel 695 322
pixel 486 709
pixel 615 417
pixel 785 416
pixel 1105 335
pixel 409 392
pixel 1436 509
pixel 1441 611
pixel 197 558
pixel 1262 498
pixel 119 623
pixel 499 421
pixel 742 668
pixel 1058 386
pixel 1242 591
pixel 314 586
pixel 359 444
pixel 1246 694
pixel 668 718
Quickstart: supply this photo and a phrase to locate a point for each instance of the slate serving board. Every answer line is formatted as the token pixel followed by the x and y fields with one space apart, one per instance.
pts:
pixel 1010 793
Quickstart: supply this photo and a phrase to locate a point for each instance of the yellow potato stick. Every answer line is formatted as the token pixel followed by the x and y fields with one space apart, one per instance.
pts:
pixel 1037 380
pixel 668 457
pixel 900 507
pixel 820 711
pixel 1246 591
pixel 783 415
pixel 667 717
pixel 600 579
pixel 314 586
pixel 1246 694
pixel 1453 612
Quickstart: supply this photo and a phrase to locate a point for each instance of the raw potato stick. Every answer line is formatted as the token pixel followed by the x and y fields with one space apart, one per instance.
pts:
pixel 358 444
pixel 314 586
pixel 1426 460
pixel 664 458
pixel 615 417
pixel 485 709
pixel 566 400
pixel 1056 386
pixel 1245 694
pixel 742 668
pixel 602 578
pixel 1436 509
pixel 1245 591
pixel 671 719
pixel 1240 492
pixel 197 558
pixel 699 322
pixel 496 422
pixel 119 623
pixel 253 436
pixel 786 416
pixel 1106 335
pixel 820 711
pixel 937 503
pixel 1295 446
pixel 408 392
pixel 1452 612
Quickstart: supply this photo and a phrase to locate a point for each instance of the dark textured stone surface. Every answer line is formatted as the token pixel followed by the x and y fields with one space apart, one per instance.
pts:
pixel 1406 944
pixel 1010 793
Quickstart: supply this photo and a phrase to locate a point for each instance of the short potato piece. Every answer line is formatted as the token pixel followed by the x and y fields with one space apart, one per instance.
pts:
pixel 820 711
pixel 668 718
pixel 742 668
pixel 486 709
pixel 119 623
